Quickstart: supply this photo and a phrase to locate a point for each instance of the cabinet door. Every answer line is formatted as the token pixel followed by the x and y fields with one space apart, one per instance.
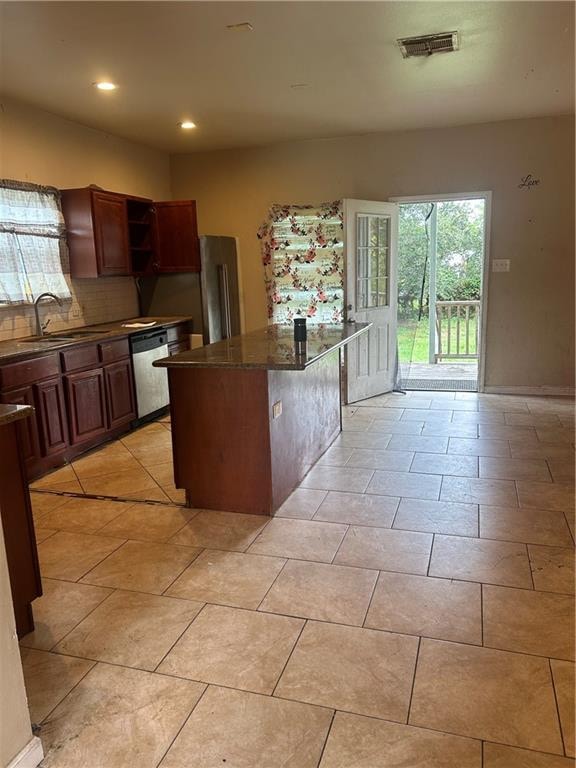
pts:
pixel 51 415
pixel 18 527
pixel 177 246
pixel 111 233
pixel 27 428
pixel 120 393
pixel 86 405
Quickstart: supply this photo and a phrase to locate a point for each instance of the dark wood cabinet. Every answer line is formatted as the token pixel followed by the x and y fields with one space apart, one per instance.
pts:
pixel 120 393
pixel 18 525
pixel 97 232
pixel 51 415
pixel 177 245
pixel 27 428
pixel 110 233
pixel 86 397
pixel 82 395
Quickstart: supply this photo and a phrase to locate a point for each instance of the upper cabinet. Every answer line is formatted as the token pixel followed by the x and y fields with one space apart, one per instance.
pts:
pixel 110 234
pixel 177 246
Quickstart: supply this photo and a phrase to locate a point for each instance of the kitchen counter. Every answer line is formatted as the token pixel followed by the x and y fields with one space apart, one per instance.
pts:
pixel 32 345
pixel 270 348
pixel 250 417
pixel 9 413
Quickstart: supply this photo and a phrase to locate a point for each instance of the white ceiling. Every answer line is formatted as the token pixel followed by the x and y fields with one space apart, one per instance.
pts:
pixel 177 59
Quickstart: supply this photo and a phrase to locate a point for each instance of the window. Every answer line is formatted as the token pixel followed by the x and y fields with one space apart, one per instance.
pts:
pixel 372 241
pixel 303 257
pixel 31 236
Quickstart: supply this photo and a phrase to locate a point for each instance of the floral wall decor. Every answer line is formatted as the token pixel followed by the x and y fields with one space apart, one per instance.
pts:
pixel 303 258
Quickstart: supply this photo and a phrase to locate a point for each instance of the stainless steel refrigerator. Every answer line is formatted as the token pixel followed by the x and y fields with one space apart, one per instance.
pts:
pixel 211 298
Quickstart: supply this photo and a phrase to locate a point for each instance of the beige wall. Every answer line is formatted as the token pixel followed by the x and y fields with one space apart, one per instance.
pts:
pixel 530 316
pixel 42 148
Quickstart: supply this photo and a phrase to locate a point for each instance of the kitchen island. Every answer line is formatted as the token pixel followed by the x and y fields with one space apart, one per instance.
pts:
pixel 251 415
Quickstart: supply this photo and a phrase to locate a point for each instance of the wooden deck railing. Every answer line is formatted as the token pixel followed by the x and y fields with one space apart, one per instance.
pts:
pixel 457 328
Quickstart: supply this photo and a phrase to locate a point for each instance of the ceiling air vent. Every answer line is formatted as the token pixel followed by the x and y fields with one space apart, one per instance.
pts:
pixel 426 45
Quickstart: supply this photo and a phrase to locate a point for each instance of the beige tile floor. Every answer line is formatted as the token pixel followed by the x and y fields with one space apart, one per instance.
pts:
pixel 411 605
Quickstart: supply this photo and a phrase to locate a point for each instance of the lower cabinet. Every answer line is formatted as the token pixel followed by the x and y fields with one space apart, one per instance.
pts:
pixel 27 428
pixel 51 413
pixel 120 393
pixel 81 395
pixel 18 526
pixel 86 396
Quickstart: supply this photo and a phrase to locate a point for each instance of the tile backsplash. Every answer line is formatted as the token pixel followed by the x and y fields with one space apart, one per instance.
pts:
pixel 97 300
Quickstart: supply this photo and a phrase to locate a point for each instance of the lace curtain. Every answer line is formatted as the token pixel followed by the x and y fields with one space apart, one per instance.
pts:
pixel 31 235
pixel 303 257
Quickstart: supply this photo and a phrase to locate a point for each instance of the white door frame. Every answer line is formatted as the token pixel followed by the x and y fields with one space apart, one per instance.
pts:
pixel 487 197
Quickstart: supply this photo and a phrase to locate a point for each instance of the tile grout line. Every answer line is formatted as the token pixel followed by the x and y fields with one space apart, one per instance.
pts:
pixel 45 718
pixel 302 628
pixel 530 567
pixel 179 731
pixel 557 708
pixel 413 680
pixel 482 615
pixel 335 555
pixel 430 555
pixel 328 732
pixel 186 628
pixel 274 580
pixel 51 649
pixel 373 592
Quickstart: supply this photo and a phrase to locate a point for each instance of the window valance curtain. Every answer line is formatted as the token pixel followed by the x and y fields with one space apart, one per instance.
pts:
pixel 303 258
pixel 31 236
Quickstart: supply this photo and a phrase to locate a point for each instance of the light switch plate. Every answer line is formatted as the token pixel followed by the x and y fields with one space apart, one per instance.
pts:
pixel 277 409
pixel 501 265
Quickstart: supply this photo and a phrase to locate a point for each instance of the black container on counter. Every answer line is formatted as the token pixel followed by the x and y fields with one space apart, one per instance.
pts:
pixel 300 335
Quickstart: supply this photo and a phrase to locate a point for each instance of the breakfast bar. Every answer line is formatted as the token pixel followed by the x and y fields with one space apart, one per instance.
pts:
pixel 251 414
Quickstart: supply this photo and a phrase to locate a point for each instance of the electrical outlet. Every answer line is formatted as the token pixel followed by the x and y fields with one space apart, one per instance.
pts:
pixel 501 265
pixel 277 409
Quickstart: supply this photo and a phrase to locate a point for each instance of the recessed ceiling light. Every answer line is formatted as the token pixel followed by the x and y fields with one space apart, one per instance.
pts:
pixel 106 86
pixel 186 124
pixel 243 26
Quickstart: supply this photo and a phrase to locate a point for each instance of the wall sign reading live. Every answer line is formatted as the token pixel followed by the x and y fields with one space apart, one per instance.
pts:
pixel 528 181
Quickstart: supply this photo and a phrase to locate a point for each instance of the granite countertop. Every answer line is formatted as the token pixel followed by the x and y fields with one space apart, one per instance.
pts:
pixel 10 413
pixel 269 348
pixel 31 345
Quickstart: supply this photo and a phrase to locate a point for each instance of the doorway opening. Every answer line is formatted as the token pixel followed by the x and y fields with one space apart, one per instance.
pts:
pixel 442 245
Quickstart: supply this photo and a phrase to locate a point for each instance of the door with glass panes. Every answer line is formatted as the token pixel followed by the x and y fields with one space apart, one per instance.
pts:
pixel 370 237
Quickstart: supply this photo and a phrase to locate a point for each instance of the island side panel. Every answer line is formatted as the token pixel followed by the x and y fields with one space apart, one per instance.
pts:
pixel 309 422
pixel 220 438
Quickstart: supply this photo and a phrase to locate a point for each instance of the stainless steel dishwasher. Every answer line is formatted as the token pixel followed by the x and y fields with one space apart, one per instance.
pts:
pixel 151 383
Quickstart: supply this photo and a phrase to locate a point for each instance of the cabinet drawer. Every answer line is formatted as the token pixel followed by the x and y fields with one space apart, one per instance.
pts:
pixel 28 371
pixel 117 349
pixel 177 333
pixel 76 358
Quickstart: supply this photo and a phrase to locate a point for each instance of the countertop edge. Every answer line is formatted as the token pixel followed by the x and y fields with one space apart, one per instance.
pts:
pixel 173 362
pixel 58 346
pixel 10 413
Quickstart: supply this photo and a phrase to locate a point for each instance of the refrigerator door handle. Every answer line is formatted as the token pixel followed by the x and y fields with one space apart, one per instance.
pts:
pixel 224 300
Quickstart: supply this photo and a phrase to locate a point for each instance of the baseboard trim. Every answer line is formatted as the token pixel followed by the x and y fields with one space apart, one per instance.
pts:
pixel 30 756
pixel 542 391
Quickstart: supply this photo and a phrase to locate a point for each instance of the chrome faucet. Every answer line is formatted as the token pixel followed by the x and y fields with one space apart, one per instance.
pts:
pixel 39 327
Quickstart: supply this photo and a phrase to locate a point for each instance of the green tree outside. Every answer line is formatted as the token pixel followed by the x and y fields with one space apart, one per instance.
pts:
pixel 460 248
